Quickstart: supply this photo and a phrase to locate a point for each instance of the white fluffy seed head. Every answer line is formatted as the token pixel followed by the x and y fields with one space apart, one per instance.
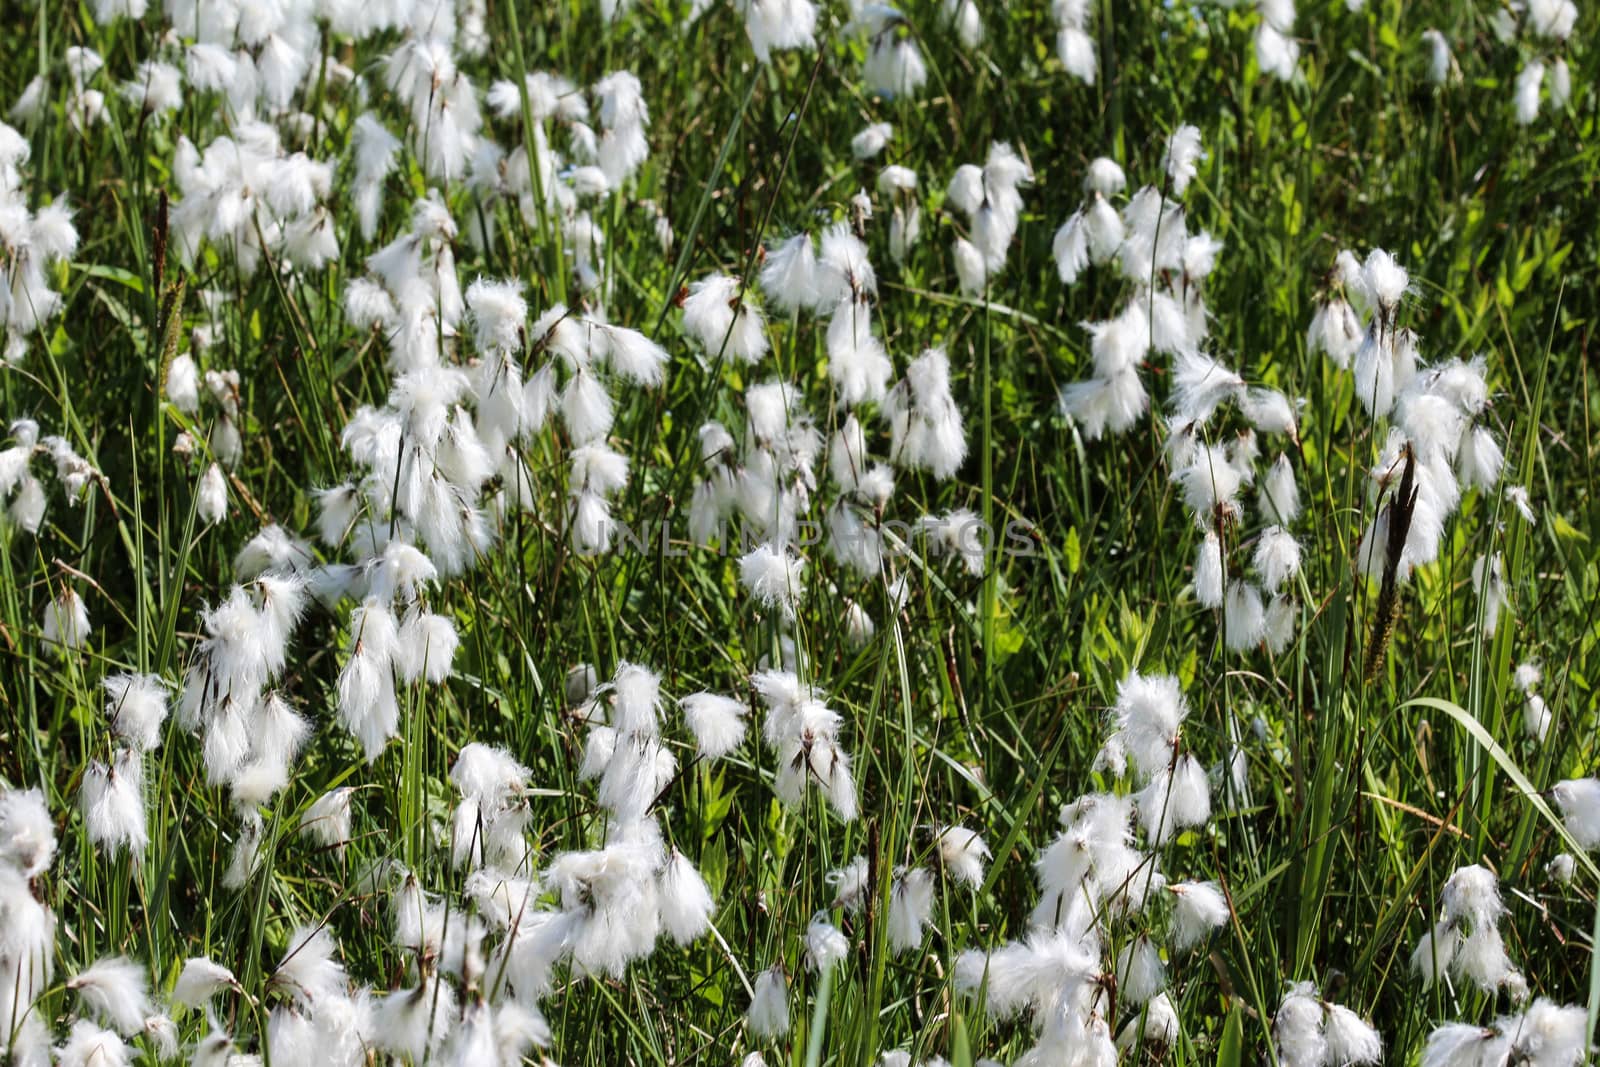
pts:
pixel 116 991
pixel 199 980
pixel 136 707
pixel 1579 801
pixel 717 723
pixel 769 1007
pixel 963 854
pixel 1183 157
pixel 686 903
pixel 825 944
pixel 1198 908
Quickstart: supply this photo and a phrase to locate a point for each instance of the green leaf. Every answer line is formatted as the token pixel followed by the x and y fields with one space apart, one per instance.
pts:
pixel 1565 530
pixel 1475 729
pixel 1230 1051
pixel 113 274
pixel 713 866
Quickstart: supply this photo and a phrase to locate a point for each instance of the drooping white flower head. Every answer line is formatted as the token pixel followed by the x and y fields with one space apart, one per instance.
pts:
pixel 925 423
pixel 1140 971
pixel 825 944
pixel 911 900
pixel 894 66
pixel 769 1007
pixel 1297 1028
pixel 308 970
pixel 116 991
pixel 66 622
pixel 1441 64
pixel 1385 283
pixel 789 276
pixel 327 821
pixel 27 834
pixel 1530 80
pixel 1277 53
pixel 963 854
pixel 871 140
pixel 722 321
pixel 89 1046
pixel 1350 1038
pixel 136 707
pixel 1075 47
pixel 774 576
pixel 1198 908
pixel 779 25
pixel 1146 719
pixel 1466 941
pixel 1579 801
pixel 1200 383
pixel 717 722
pixel 1183 156
pixel 686 903
pixel 111 798
pixel 199 980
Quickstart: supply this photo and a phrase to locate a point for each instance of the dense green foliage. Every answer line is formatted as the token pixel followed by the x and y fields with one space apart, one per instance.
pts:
pixel 982 702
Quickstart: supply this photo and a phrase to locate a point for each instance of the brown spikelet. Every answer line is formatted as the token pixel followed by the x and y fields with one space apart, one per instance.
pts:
pixel 1401 507
pixel 171 323
pixel 158 243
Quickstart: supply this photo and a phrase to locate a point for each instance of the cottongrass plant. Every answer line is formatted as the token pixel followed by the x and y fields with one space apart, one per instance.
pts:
pixel 1106 908
pixel 355 710
pixel 33 241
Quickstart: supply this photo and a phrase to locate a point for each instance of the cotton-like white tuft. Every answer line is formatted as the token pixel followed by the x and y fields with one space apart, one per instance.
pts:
pixel 1536 717
pixel 871 140
pixel 199 980
pixel 308 969
pixel 327 820
pixel 779 25
pixel 66 622
pixel 789 277
pixel 27 834
pixel 1530 79
pixel 769 1006
pixel 1350 1039
pixel 1440 62
pixel 1157 1026
pixel 111 798
pixel 825 944
pixel 774 577
pixel 925 423
pixel 1488 581
pixel 911 900
pixel 1183 156
pixel 426 646
pixel 724 322
pixel 116 991
pixel 717 722
pixel 89 1046
pixel 1579 801
pixel 136 707
pixel 1297 1029
pixel 1141 973
pixel 1198 908
pixel 963 854
pixel 686 904
pixel 1208 572
pixel 1277 557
